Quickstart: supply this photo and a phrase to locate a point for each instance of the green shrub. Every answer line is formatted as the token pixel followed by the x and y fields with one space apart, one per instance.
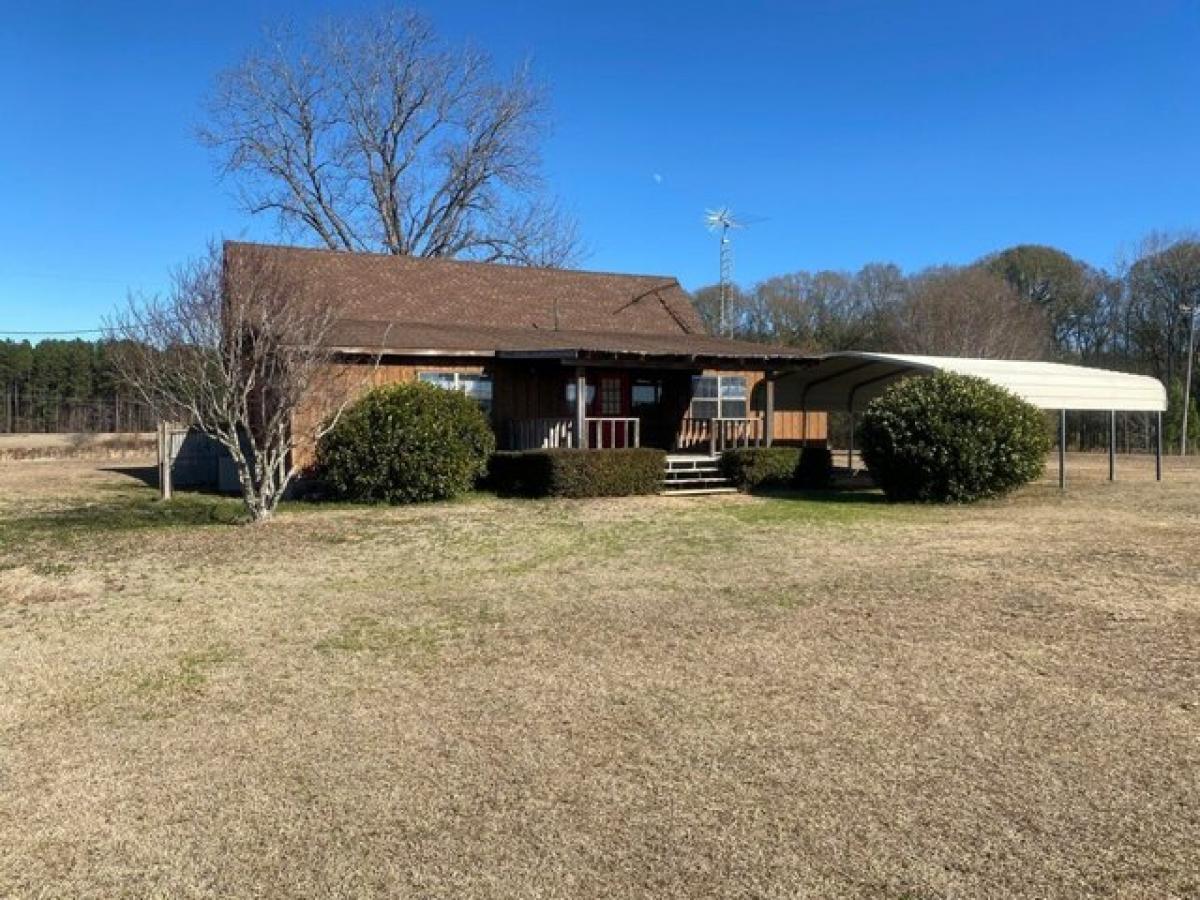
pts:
pixel 815 470
pixel 950 438
pixel 758 467
pixel 406 443
pixel 578 473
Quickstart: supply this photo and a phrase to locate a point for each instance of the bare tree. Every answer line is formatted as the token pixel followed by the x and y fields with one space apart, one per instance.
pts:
pixel 970 312
pixel 1164 282
pixel 234 350
pixel 815 310
pixel 372 134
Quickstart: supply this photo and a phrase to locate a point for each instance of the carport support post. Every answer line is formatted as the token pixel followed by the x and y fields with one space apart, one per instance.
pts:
pixel 581 438
pixel 1112 445
pixel 850 446
pixel 1158 448
pixel 1062 449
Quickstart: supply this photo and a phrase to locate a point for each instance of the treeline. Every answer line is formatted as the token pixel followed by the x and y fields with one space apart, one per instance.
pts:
pixel 1026 302
pixel 65 385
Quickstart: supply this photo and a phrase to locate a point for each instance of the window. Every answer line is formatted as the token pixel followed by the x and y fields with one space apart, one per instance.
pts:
pixel 610 396
pixel 646 393
pixel 591 394
pixel 718 397
pixel 476 386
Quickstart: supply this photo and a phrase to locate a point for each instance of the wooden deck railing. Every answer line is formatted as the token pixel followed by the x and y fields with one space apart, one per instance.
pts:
pixel 718 435
pixel 613 432
pixel 603 432
pixel 711 436
pixel 540 434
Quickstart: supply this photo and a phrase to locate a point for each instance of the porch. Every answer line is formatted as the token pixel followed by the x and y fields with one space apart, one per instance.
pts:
pixel 681 411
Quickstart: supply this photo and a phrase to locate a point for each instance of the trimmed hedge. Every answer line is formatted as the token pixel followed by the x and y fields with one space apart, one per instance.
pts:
pixel 578 473
pixel 757 467
pixel 950 438
pixel 406 443
pixel 815 470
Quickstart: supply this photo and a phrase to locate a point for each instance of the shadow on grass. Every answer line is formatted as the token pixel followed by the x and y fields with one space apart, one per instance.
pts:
pixel 147 475
pixel 856 496
pixel 815 506
pixel 141 511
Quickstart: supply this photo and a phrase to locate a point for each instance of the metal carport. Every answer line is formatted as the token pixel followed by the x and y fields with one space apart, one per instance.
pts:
pixel 847 381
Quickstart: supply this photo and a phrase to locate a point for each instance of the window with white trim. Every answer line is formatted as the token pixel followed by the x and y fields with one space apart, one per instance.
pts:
pixel 718 397
pixel 475 385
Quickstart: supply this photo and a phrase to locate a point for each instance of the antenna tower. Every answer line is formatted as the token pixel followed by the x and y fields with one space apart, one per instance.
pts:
pixel 720 221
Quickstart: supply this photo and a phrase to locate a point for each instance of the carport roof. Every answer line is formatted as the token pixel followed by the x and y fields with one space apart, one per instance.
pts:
pixel 847 381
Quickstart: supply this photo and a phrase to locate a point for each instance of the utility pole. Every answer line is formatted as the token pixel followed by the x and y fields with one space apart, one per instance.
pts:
pixel 1187 377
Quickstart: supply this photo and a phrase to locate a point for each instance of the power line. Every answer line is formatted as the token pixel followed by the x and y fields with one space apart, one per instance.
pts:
pixel 43 333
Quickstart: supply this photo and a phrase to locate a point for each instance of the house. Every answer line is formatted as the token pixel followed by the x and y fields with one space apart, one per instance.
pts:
pixel 557 358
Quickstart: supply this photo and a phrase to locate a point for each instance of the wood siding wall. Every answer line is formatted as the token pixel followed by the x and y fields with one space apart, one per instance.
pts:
pixel 791 425
pixel 525 390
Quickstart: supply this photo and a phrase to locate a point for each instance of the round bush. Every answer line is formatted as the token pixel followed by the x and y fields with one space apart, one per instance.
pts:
pixel 950 438
pixel 406 443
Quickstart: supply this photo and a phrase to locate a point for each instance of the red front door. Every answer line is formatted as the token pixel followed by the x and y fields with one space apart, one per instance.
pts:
pixel 609 400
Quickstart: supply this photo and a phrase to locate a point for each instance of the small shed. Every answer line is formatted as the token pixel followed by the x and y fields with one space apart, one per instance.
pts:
pixel 847 381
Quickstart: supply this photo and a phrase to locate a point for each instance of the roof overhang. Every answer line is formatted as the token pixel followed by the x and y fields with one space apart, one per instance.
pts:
pixel 664 357
pixel 848 381
pixel 408 351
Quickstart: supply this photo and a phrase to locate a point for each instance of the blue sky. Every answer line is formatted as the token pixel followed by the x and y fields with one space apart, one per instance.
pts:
pixel 913 132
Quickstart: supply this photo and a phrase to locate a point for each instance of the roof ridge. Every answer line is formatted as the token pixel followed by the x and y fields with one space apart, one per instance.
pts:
pixel 449 261
pixel 453 326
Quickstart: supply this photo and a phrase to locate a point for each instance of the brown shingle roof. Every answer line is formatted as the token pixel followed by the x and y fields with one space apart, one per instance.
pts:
pixel 378 287
pixel 408 305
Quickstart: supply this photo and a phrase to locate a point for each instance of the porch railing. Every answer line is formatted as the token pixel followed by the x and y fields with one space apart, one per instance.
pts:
pixel 603 432
pixel 540 434
pixel 715 436
pixel 612 432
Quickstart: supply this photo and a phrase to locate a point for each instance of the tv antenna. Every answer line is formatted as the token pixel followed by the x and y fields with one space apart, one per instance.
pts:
pixel 721 221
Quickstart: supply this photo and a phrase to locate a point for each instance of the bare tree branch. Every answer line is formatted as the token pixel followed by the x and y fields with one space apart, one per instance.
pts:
pixel 234 349
pixel 372 134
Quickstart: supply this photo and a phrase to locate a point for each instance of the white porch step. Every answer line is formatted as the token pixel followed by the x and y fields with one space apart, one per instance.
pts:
pixel 683 462
pixel 694 473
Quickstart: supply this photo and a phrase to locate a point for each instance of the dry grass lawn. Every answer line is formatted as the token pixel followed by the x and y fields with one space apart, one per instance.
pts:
pixel 716 697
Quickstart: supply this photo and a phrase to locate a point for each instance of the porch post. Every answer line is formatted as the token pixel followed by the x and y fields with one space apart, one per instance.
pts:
pixel 581 438
pixel 769 422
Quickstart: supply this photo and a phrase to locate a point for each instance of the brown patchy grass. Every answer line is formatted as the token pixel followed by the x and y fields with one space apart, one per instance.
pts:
pixel 665 697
